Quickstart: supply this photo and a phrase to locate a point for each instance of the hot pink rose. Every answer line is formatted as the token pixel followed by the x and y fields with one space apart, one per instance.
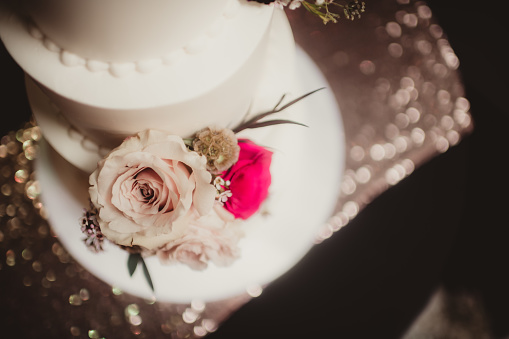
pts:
pixel 148 189
pixel 212 237
pixel 249 180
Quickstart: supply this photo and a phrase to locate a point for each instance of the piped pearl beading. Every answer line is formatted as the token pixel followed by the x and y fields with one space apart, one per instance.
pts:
pixel 122 69
pixel 85 142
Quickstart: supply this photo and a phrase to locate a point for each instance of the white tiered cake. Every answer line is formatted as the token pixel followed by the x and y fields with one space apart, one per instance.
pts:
pixel 98 72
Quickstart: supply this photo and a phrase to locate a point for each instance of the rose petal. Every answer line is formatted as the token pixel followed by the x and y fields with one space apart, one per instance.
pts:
pixel 124 226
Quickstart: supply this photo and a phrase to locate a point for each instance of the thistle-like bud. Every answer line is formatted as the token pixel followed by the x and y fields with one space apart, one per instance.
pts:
pixel 220 146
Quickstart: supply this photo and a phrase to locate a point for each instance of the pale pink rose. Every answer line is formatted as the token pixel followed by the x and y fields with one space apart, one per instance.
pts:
pixel 147 189
pixel 212 237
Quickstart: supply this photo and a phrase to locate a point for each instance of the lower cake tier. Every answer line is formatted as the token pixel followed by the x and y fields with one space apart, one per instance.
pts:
pixel 306 173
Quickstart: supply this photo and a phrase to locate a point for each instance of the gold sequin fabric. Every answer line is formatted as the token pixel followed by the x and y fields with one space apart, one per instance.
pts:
pixel 402 102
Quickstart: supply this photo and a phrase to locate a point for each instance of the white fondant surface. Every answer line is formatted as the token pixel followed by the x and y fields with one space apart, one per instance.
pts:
pixel 125 30
pixel 306 179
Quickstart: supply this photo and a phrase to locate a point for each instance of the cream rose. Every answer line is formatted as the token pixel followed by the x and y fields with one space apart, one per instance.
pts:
pixel 212 237
pixel 148 189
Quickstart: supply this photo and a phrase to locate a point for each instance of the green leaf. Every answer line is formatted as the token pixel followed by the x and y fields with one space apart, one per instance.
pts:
pixel 254 120
pixel 132 262
pixel 274 122
pixel 147 274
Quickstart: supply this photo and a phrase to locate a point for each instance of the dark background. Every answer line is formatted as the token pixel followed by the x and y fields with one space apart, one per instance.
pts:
pixel 445 225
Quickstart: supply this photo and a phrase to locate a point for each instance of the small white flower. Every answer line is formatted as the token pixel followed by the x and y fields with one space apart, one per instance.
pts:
pixel 219 183
pixel 223 197
pixel 295 4
pixel 282 3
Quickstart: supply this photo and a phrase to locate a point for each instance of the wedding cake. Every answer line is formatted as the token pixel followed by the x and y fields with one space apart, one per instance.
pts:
pixel 152 111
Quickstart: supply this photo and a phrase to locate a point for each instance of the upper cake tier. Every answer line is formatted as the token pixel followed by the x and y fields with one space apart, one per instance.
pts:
pixel 126 31
pixel 113 68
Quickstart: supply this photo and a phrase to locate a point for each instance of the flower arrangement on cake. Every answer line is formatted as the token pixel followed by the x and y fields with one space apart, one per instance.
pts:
pixel 184 199
pixel 180 199
pixel 323 8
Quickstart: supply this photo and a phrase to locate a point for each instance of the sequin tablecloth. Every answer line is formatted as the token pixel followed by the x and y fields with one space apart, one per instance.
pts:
pixel 402 101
